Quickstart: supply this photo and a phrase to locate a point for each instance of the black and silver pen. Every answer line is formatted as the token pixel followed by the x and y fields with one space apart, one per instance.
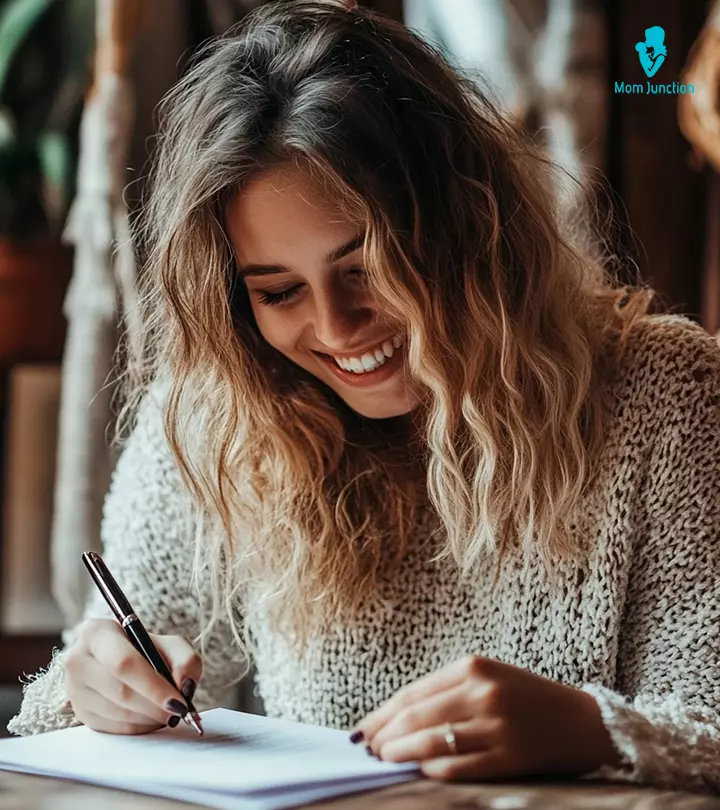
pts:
pixel 132 626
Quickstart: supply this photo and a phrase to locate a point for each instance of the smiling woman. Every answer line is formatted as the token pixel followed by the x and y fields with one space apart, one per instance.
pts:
pixel 299 258
pixel 399 436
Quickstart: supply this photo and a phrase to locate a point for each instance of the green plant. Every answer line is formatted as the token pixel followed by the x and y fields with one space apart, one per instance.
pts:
pixel 45 62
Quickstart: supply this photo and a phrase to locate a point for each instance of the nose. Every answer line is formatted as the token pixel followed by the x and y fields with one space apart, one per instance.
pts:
pixel 338 318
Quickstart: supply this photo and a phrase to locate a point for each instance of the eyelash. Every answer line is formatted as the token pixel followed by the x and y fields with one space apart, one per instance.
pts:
pixel 272 299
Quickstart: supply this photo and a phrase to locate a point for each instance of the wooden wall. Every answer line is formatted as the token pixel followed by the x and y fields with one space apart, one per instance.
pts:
pixel 648 160
pixel 658 197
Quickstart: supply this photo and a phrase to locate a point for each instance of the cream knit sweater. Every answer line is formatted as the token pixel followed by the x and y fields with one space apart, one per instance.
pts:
pixel 639 629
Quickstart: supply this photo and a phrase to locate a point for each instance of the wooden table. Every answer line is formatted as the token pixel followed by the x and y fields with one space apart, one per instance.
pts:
pixel 21 792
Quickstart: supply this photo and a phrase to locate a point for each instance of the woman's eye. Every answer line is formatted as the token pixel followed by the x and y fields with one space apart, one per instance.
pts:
pixel 273 299
pixel 278 298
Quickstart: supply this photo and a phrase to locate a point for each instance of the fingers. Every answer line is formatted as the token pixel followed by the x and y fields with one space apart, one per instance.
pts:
pixel 454 674
pixel 113 688
pixel 94 703
pixel 470 767
pixel 471 737
pixel 103 724
pixel 116 700
pixel 185 664
pixel 127 665
pixel 452 705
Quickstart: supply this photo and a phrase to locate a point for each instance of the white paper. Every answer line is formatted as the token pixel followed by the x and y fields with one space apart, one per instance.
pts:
pixel 272 800
pixel 242 761
pixel 275 800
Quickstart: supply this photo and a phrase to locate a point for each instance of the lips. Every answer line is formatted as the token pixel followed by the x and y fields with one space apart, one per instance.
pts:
pixel 371 350
pixel 332 359
pixel 368 378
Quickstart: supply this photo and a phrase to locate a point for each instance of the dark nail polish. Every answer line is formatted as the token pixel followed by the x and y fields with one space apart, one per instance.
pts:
pixel 369 751
pixel 188 688
pixel 176 707
pixel 173 721
pixel 356 736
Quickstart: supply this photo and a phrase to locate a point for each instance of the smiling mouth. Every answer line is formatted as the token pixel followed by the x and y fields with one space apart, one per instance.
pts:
pixel 368 377
pixel 379 353
pixel 331 358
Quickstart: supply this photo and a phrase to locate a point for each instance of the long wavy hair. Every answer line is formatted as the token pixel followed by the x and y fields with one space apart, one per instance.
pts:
pixel 508 307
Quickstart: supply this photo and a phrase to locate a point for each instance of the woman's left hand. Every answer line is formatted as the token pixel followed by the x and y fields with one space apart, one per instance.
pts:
pixel 506 721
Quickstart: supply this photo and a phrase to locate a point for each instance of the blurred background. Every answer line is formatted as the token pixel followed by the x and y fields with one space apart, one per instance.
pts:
pixel 79 81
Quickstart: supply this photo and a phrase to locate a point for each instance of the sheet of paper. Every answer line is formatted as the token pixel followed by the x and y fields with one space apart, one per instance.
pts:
pixel 284 799
pixel 271 763
pixel 270 800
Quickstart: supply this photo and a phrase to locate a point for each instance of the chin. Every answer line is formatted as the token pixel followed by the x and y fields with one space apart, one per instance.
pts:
pixel 377 413
pixel 382 410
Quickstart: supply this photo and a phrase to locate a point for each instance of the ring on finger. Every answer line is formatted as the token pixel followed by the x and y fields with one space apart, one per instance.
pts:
pixel 450 739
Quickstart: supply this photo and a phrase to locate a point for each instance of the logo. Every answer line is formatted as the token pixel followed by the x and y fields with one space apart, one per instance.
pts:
pixel 652 51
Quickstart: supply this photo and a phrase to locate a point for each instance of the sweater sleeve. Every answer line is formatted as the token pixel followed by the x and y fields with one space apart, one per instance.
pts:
pixel 147 543
pixel 664 717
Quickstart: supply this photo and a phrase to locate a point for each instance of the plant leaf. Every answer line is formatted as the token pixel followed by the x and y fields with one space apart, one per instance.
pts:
pixel 55 157
pixel 18 17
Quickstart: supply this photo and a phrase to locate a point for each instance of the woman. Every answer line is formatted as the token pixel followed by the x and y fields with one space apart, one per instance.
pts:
pixel 404 442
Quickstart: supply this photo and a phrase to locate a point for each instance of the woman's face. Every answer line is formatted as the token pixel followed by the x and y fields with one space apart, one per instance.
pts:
pixel 302 265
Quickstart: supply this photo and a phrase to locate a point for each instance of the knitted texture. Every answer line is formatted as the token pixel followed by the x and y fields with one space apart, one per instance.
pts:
pixel 637 627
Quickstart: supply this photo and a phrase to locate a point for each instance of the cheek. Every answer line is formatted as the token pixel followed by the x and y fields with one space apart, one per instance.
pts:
pixel 278 328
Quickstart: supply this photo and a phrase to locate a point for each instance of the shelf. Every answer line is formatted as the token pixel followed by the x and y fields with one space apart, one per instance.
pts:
pixel 24 655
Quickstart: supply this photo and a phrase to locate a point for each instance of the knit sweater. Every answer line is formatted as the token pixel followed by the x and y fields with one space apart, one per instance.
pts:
pixel 638 628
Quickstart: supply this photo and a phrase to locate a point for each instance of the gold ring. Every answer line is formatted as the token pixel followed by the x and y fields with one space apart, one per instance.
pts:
pixel 450 739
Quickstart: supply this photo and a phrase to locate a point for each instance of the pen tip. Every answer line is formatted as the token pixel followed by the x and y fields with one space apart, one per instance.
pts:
pixel 194 720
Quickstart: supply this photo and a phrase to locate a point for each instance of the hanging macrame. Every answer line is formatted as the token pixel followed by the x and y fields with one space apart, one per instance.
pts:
pixel 545 62
pixel 699 119
pixel 101 291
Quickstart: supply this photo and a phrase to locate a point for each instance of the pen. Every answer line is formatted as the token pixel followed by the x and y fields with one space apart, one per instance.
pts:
pixel 132 626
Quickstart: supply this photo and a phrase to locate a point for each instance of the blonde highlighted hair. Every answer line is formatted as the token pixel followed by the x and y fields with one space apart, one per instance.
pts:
pixel 510 315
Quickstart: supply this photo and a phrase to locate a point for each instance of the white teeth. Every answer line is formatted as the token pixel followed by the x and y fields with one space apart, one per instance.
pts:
pixel 370 360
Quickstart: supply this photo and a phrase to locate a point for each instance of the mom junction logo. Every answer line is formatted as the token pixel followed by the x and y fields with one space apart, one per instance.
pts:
pixel 652 52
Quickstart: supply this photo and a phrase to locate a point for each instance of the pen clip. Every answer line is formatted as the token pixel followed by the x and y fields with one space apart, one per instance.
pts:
pixel 107 585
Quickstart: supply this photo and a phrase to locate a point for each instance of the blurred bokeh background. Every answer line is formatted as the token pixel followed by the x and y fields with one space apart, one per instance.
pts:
pixel 79 82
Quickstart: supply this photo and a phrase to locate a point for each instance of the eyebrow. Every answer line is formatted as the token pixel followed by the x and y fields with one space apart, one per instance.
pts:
pixel 334 256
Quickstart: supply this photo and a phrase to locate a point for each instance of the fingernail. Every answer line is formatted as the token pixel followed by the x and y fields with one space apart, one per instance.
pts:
pixel 176 707
pixel 369 751
pixel 173 721
pixel 356 736
pixel 188 688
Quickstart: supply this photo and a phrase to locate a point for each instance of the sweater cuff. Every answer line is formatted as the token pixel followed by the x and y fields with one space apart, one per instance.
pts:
pixel 661 741
pixel 45 704
pixel 617 717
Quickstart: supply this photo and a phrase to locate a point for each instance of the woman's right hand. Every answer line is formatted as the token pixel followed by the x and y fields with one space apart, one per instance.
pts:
pixel 113 689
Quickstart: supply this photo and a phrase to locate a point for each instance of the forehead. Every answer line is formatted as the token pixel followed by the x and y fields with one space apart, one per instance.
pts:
pixel 283 212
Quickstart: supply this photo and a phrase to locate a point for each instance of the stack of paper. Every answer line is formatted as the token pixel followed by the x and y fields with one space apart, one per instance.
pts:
pixel 242 761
